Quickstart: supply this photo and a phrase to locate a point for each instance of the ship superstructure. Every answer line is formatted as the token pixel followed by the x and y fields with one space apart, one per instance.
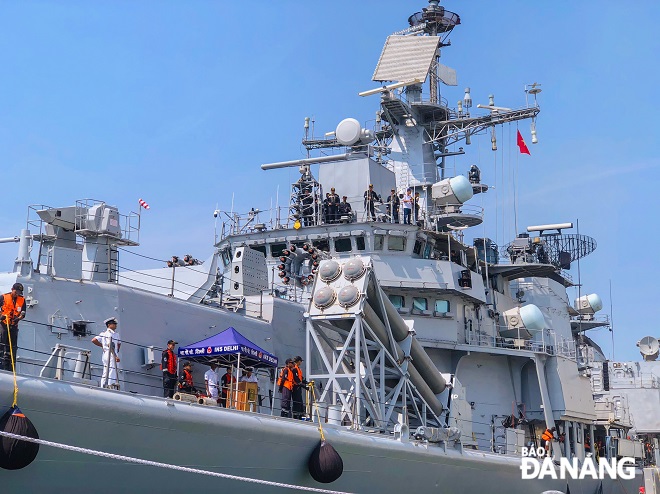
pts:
pixel 437 356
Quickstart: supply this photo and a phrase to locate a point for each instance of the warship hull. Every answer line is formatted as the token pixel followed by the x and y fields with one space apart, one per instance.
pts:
pixel 244 444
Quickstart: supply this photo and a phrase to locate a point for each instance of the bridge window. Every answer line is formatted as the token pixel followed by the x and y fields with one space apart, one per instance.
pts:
pixel 276 250
pixel 323 245
pixel 420 303
pixel 417 248
pixel 259 248
pixel 359 242
pixel 396 243
pixel 343 245
pixel 442 306
pixel 397 300
pixel 379 240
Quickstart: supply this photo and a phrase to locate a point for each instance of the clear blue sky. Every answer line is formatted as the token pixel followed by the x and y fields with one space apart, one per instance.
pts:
pixel 180 102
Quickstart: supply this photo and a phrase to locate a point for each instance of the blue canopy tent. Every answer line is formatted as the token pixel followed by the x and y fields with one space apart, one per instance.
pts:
pixel 228 347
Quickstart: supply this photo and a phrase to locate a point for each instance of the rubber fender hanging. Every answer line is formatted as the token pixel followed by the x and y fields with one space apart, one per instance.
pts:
pixel 325 465
pixel 14 453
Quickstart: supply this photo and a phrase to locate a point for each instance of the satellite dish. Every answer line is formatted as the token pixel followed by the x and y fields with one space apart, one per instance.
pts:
pixel 649 347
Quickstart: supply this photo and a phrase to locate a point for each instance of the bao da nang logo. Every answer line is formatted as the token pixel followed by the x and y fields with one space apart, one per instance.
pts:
pixel 536 464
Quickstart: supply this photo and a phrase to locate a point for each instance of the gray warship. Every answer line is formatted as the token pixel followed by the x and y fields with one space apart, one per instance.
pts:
pixel 436 357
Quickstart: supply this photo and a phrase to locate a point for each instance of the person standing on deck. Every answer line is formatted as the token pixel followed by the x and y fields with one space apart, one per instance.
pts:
pixel 211 381
pixel 285 383
pixel 12 310
pixel 298 384
pixel 110 341
pixel 168 365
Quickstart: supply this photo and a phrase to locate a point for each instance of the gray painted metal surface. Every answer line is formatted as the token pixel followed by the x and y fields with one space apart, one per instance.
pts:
pixel 443 313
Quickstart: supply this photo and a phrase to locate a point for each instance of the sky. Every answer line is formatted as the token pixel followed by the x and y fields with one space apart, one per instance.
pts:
pixel 179 103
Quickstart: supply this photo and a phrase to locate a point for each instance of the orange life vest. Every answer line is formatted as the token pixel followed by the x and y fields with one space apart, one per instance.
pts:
pixel 286 379
pixel 547 435
pixel 187 379
pixel 171 362
pixel 12 310
pixel 298 371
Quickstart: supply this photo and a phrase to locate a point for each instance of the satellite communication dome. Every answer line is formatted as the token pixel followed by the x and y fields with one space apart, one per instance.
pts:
pixel 532 317
pixel 588 304
pixel 649 347
pixel 349 132
pixel 455 190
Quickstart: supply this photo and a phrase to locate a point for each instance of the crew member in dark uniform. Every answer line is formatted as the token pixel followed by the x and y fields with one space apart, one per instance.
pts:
pixel 285 383
pixel 333 203
pixel 186 380
pixel 370 198
pixel 474 175
pixel 326 208
pixel 168 364
pixel 393 205
pixel 345 209
pixel 226 383
pixel 298 384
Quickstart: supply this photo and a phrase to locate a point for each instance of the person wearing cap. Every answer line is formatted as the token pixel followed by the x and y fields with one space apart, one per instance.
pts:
pixel 344 209
pixel 211 381
pixel 248 376
pixel 416 206
pixel 325 208
pixel 298 384
pixel 370 198
pixel 333 206
pixel 407 207
pixel 110 341
pixel 393 205
pixel 285 383
pixel 186 384
pixel 12 310
pixel 226 383
pixel 168 365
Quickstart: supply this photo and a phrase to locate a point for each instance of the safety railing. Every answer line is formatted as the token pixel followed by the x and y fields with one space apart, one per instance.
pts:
pixel 546 343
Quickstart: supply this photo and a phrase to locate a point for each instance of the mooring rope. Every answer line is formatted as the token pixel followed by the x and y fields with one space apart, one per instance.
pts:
pixel 13 363
pixel 158 464
pixel 316 406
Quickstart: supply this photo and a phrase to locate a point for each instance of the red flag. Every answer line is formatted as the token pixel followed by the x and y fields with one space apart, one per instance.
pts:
pixel 146 206
pixel 522 145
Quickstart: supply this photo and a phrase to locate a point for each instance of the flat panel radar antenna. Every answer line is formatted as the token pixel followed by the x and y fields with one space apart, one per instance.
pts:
pixel 412 54
pixel 406 58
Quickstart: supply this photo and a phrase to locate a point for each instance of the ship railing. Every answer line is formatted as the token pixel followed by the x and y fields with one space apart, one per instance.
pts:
pixel 647 380
pixel 453 210
pixel 128 224
pixel 548 344
pixel 285 218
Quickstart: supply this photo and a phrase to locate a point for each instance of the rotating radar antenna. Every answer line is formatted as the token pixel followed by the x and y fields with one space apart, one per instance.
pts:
pixel 559 249
pixel 434 19
pixel 564 248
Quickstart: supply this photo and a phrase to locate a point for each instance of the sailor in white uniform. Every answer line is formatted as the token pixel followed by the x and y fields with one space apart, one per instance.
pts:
pixel 211 380
pixel 248 376
pixel 110 341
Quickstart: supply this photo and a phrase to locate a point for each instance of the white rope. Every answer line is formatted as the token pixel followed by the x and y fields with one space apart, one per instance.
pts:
pixel 165 465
